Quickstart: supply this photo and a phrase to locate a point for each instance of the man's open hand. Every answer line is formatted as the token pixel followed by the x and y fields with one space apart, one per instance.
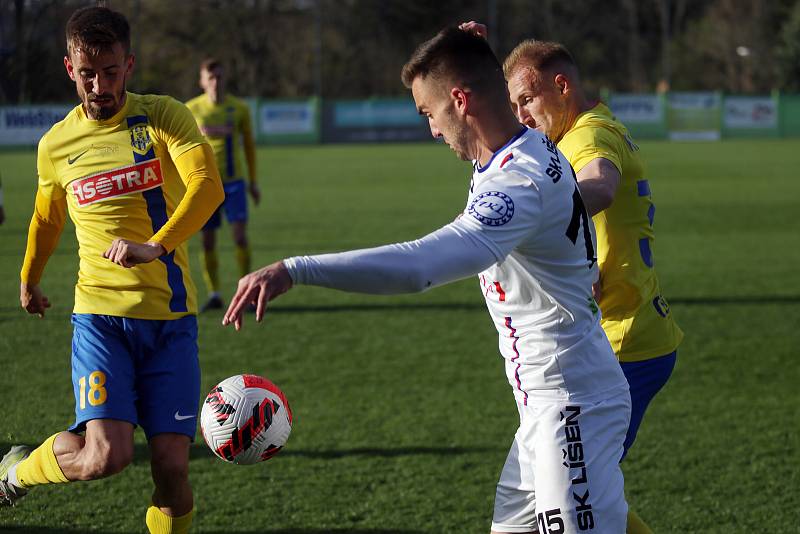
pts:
pixel 258 287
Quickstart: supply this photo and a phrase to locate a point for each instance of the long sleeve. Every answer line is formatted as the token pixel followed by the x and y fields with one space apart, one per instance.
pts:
pixel 49 216
pixel 204 194
pixel 463 248
pixel 446 255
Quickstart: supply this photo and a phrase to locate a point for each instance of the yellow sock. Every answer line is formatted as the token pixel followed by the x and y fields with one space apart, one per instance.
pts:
pixel 243 260
pixel 210 270
pixel 636 525
pixel 41 467
pixel 160 523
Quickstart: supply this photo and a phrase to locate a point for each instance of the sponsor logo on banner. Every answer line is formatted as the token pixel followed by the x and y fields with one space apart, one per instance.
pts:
pixel 636 109
pixel 694 100
pixel 116 182
pixel 25 125
pixel 750 112
pixel 286 118
pixel 376 114
pixel 694 116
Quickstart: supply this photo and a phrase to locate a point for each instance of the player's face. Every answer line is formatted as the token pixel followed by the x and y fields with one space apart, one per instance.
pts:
pixel 100 79
pixel 538 102
pixel 213 83
pixel 442 110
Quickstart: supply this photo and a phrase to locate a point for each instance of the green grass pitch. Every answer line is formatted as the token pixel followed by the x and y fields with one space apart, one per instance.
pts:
pixel 403 416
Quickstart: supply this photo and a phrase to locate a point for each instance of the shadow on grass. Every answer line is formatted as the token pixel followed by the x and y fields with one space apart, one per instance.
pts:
pixel 198 450
pixel 141 453
pixel 15 312
pixel 480 305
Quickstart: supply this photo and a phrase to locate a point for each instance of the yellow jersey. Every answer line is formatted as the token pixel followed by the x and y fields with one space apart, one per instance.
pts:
pixel 228 129
pixel 120 181
pixel 635 316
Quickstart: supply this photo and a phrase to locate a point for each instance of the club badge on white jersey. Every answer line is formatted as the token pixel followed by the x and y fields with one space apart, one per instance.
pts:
pixel 525 206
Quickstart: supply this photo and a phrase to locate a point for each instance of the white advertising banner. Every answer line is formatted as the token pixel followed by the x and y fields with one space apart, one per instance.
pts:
pixel 694 116
pixel 25 125
pixel 748 112
pixel 281 118
pixel 637 109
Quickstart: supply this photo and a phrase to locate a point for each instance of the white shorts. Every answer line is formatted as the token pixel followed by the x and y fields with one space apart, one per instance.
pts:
pixel 562 474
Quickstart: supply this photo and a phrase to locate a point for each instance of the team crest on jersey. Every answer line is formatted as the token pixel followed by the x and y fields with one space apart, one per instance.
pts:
pixel 661 306
pixel 123 181
pixel 140 138
pixel 493 208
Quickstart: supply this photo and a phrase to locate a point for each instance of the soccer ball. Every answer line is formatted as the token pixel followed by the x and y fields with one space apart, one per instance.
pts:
pixel 246 419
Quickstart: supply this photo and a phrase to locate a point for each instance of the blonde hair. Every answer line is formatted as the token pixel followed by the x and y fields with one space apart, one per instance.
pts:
pixel 539 56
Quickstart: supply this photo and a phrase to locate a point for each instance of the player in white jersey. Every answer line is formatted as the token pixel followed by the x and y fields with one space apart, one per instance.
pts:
pixel 526 233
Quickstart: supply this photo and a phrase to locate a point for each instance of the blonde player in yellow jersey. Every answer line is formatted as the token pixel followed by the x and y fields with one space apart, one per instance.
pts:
pixel 225 121
pixel 545 92
pixel 138 179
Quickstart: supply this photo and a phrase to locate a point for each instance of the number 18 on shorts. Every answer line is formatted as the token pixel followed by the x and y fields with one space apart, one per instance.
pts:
pixel 142 371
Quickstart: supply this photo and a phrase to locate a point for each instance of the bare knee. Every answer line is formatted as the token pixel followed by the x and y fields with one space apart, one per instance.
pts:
pixel 169 468
pixel 170 459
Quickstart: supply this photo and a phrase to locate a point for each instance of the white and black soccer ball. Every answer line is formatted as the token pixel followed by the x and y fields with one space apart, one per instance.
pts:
pixel 246 419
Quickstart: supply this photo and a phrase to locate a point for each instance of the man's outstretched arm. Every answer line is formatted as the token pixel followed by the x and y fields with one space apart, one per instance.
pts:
pixel 446 255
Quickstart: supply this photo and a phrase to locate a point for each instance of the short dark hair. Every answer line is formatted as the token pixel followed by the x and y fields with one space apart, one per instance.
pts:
pixel 539 56
pixel 456 54
pixel 210 63
pixel 96 29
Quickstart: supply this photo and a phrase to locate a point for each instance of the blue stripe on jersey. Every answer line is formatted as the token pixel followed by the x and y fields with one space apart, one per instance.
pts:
pixel 519 134
pixel 644 250
pixel 229 144
pixel 651 213
pixel 643 188
pixel 157 210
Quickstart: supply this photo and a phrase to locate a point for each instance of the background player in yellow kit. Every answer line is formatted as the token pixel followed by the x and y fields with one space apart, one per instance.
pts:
pixel 225 121
pixel 545 92
pixel 137 179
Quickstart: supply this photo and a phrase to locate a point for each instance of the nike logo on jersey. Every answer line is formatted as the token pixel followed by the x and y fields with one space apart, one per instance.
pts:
pixel 179 417
pixel 70 161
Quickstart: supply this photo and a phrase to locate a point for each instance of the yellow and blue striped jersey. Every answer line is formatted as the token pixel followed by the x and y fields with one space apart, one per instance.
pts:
pixel 635 316
pixel 228 128
pixel 120 181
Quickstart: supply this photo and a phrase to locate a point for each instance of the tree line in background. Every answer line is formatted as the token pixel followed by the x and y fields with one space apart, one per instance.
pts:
pixel 356 48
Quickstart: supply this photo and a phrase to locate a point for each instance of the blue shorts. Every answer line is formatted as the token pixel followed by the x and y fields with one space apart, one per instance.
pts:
pixel 141 371
pixel 235 205
pixel 645 378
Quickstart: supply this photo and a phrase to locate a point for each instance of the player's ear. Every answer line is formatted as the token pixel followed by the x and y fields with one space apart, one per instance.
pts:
pixel 562 83
pixel 69 67
pixel 129 63
pixel 460 99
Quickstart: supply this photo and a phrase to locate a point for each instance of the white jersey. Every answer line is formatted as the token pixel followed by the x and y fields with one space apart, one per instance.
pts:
pixel 525 205
pixel 526 233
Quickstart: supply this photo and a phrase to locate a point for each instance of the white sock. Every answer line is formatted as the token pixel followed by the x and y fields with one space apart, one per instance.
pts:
pixel 11 476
